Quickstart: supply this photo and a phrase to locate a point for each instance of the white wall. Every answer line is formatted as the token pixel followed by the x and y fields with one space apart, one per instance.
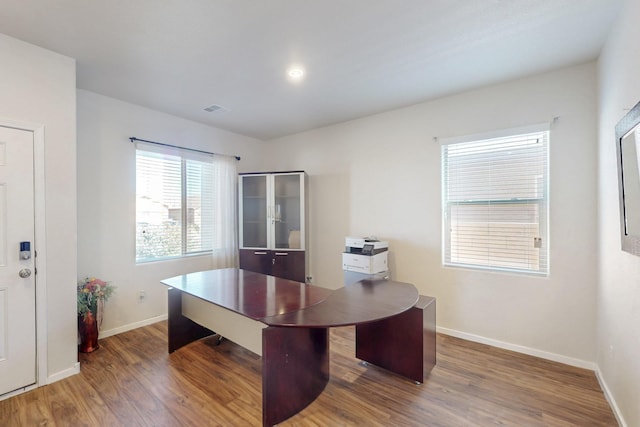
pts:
pixel 38 86
pixel 619 284
pixel 381 176
pixel 106 200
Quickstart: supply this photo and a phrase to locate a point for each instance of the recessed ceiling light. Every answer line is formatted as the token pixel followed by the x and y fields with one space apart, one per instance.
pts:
pixel 295 73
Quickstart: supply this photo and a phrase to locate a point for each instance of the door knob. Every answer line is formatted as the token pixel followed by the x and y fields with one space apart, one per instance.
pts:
pixel 24 273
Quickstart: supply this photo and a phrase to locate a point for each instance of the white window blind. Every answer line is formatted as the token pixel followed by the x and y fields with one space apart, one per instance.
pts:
pixel 495 203
pixel 199 205
pixel 174 203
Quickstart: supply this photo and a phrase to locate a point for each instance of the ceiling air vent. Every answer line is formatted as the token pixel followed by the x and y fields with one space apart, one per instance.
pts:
pixel 216 109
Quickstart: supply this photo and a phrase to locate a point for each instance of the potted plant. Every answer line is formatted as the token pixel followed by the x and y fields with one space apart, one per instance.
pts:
pixel 92 294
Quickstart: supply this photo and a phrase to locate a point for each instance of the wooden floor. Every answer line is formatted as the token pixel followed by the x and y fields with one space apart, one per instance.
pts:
pixel 132 381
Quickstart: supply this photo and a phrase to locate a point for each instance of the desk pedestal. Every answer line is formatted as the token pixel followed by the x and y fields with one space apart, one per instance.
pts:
pixel 404 344
pixel 295 370
pixel 182 330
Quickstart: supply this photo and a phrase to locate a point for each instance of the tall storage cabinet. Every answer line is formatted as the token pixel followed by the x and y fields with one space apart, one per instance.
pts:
pixel 272 222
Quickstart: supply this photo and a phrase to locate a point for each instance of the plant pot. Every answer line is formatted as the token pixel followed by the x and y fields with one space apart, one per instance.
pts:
pixel 88 332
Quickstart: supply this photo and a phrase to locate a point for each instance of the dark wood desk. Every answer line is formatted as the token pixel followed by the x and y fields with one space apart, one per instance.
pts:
pixel 395 328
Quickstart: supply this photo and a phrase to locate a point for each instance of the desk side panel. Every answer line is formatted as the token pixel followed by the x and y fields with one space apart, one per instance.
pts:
pixel 295 370
pixel 181 330
pixel 404 344
pixel 428 307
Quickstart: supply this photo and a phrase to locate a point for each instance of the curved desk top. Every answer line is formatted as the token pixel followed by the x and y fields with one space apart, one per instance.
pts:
pixel 250 294
pixel 280 302
pixel 355 304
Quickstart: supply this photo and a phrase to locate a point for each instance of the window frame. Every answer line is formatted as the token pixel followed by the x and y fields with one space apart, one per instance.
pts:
pixel 185 156
pixel 542 203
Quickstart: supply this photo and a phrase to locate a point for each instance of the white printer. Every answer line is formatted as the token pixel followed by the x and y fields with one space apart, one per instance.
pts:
pixel 365 255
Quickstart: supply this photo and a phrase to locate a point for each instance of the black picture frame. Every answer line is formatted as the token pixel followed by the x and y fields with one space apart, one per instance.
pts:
pixel 628 159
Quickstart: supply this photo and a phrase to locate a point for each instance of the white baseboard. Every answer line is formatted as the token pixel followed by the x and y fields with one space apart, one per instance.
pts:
pixel 610 399
pixel 17 392
pixel 579 363
pixel 75 369
pixel 131 326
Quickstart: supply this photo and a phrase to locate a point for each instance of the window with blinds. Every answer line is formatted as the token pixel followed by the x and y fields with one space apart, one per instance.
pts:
pixel 495 202
pixel 174 203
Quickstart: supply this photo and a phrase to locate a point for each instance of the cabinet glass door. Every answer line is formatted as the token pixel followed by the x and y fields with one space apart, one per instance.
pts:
pixel 287 211
pixel 254 211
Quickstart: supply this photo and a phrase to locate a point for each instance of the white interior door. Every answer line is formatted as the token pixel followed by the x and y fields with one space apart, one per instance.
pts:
pixel 17 275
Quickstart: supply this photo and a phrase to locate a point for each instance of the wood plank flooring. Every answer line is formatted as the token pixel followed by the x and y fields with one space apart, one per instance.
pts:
pixel 132 381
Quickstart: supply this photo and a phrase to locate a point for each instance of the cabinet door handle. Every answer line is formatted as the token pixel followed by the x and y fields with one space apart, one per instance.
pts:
pixel 259 253
pixel 281 254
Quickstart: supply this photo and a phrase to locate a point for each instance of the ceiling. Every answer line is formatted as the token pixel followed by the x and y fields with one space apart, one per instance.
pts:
pixel 361 57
